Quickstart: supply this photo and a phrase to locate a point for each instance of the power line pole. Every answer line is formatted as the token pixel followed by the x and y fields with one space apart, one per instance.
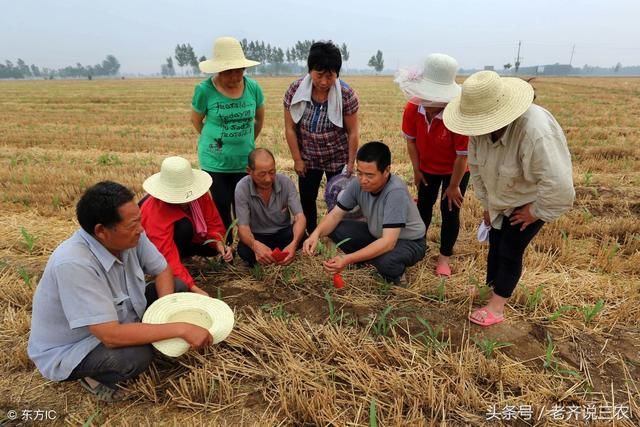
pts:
pixel 572 51
pixel 517 64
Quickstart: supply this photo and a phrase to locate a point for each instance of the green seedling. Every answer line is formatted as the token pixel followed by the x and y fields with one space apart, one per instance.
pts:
pixel 384 287
pixel 590 313
pixel 335 317
pixel 588 177
pixel 109 159
pixel 94 418
pixel 587 215
pixel 560 311
pixel 226 234
pixel 26 278
pixel 613 251
pixel 488 346
pixel 277 311
pixel 551 363
pixel 431 336
pixel 549 360
pixel 564 235
pixel 440 294
pixel 441 290
pixel 29 239
pixel 373 414
pixel 483 290
pixel 533 298
pixel 257 272
pixel 56 202
pixel 383 325
pixel 215 264
pixel 329 251
pixel 219 293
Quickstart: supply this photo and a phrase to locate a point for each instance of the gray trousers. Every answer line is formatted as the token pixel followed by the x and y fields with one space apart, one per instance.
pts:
pixel 390 265
pixel 113 365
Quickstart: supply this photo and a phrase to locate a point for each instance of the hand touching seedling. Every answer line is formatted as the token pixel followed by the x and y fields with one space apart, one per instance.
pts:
pixel 334 264
pixel 223 249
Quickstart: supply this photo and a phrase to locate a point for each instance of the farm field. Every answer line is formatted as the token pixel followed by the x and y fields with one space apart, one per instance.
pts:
pixel 303 353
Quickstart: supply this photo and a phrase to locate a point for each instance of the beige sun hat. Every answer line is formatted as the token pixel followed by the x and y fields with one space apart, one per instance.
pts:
pixel 227 55
pixel 177 182
pixel 436 82
pixel 487 103
pixel 210 313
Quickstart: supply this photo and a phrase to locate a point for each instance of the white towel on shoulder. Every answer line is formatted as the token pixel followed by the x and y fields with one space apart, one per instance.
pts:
pixel 303 95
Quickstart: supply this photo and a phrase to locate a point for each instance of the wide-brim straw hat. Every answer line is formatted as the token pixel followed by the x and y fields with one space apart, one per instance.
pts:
pixel 227 55
pixel 177 182
pixel 210 313
pixel 436 82
pixel 487 103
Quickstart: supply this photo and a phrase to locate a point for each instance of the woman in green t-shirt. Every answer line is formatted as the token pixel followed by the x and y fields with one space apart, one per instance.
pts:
pixel 228 113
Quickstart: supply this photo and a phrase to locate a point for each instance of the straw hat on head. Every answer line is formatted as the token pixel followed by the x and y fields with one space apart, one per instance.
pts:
pixel 177 182
pixel 487 103
pixel 210 313
pixel 227 55
pixel 436 82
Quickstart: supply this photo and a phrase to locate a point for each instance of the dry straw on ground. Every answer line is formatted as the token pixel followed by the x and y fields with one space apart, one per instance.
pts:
pixel 303 353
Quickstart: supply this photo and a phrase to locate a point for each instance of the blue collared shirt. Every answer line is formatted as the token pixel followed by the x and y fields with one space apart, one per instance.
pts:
pixel 84 284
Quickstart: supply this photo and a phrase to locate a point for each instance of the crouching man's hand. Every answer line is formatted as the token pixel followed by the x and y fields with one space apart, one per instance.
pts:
pixel 197 336
pixel 196 290
pixel 263 253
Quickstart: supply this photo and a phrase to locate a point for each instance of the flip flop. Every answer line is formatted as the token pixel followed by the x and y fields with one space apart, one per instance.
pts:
pixel 443 270
pixel 101 391
pixel 488 318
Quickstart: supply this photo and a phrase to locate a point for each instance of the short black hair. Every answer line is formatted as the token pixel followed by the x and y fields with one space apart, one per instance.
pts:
pixel 324 56
pixel 251 160
pixel 375 151
pixel 99 205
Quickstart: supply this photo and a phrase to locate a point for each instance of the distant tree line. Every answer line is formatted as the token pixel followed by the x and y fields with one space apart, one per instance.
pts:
pixel 566 69
pixel 273 59
pixel 20 70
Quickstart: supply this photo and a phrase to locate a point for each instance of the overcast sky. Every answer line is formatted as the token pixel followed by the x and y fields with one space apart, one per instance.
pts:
pixel 142 33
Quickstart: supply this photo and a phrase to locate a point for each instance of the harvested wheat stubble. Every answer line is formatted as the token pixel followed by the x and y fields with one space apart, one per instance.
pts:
pixel 58 137
pixel 322 374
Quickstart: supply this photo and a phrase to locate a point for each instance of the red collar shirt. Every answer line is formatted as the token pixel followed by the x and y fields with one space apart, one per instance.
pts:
pixel 437 146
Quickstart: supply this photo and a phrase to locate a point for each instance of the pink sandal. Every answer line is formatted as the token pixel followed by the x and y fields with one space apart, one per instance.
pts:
pixel 484 317
pixel 443 270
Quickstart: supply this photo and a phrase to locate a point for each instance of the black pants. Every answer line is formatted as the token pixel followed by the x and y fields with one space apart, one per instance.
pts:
pixel 506 251
pixel 276 240
pixel 111 366
pixel 427 196
pixel 390 265
pixel 183 235
pixel 308 187
pixel 223 189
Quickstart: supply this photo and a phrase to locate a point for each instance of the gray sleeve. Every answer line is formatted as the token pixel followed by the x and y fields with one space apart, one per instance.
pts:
pixel 348 198
pixel 396 209
pixel 243 213
pixel 84 295
pixel 293 200
pixel 151 260
pixel 549 165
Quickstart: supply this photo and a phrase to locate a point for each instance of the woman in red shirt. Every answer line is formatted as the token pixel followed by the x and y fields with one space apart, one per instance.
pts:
pixel 179 215
pixel 438 156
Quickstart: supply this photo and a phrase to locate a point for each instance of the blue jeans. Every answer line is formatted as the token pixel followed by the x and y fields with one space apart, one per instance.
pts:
pixel 390 265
